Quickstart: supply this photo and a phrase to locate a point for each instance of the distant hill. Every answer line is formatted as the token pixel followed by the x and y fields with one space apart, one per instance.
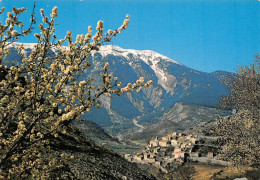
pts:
pixel 179 117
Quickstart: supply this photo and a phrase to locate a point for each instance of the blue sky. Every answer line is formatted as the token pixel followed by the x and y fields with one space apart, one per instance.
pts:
pixel 206 35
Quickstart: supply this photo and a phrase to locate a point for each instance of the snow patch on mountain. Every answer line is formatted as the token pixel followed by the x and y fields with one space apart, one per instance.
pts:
pixel 145 55
pixel 150 57
pixel 25 45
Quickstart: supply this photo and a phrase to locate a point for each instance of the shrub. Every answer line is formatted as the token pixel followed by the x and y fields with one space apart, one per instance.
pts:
pixel 240 132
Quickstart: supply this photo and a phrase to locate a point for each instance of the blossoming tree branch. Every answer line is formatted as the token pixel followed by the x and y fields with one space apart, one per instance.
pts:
pixel 42 96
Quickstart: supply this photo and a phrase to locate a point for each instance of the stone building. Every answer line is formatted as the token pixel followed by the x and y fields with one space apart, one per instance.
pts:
pixel 150 160
pixel 164 143
pixel 154 143
pixel 169 137
pixel 177 149
pixel 174 142
pixel 156 150
pixel 174 134
pixel 193 140
pixel 210 155
pixel 194 154
pixel 146 155
pixel 139 157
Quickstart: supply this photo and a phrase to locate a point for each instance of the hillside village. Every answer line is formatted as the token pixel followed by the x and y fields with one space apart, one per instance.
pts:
pixel 173 150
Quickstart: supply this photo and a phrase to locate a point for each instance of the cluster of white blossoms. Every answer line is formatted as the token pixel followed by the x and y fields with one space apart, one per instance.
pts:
pixel 99 34
pixel 54 12
pixel 7 31
pixel 18 11
pixel 138 85
pixel 125 24
pixel 40 97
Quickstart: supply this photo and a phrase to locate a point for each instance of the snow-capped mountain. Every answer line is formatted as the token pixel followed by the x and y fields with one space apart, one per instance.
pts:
pixel 173 82
pixel 149 57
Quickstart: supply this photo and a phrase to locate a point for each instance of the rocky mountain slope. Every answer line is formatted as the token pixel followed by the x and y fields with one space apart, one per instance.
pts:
pixel 179 117
pixel 173 82
pixel 94 162
pixel 94 132
pixel 77 157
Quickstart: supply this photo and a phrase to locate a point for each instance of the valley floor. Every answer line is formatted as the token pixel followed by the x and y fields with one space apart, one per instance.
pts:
pixel 199 171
